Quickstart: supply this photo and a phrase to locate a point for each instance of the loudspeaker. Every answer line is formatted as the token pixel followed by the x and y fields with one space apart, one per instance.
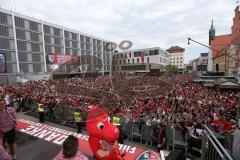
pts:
pixel 177 154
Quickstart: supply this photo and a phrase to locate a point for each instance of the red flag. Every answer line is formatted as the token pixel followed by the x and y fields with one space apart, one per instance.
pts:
pixel 142 57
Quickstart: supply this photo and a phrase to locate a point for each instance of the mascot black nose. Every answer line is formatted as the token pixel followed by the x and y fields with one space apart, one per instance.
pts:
pixel 101 127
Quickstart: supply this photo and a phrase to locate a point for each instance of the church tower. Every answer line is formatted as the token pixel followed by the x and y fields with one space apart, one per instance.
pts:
pixel 212 33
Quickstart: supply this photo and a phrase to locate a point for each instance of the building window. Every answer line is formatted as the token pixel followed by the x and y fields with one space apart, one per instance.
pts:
pixel 34 26
pixel 124 61
pixel 147 59
pixel 132 61
pixel 153 52
pixel 181 58
pixel 128 61
pixel 19 22
pixel 129 54
pixel 120 62
pixel 3 18
pixel 137 60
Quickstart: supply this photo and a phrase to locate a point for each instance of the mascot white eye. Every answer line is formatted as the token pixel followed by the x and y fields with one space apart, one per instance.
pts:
pixel 109 119
pixel 100 125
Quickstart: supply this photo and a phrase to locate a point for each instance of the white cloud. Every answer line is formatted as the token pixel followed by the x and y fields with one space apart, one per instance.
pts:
pixel 147 23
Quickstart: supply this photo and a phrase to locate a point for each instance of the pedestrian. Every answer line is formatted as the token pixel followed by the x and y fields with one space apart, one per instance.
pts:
pixel 41 112
pixel 8 120
pixel 77 118
pixel 70 150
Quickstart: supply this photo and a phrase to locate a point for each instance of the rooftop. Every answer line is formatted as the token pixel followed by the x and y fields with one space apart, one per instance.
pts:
pixel 175 49
pixel 220 43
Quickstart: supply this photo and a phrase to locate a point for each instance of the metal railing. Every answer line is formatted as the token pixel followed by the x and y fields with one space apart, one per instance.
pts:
pixel 212 149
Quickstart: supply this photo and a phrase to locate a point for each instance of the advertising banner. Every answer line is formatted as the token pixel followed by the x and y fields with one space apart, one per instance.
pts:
pixel 58 59
pixel 3 66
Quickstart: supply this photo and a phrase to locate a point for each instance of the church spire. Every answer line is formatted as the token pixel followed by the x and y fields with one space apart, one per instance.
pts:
pixel 211 33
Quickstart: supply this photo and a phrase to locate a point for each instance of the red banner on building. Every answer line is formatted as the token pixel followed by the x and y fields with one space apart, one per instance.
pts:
pixel 56 58
pixel 57 136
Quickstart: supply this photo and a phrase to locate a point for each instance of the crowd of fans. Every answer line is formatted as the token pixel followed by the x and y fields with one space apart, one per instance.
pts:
pixel 154 101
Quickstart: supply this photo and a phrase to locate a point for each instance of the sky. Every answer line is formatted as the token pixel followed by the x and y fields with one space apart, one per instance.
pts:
pixel 146 23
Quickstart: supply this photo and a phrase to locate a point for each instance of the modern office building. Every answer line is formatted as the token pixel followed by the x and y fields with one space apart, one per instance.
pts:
pixel 29 44
pixel 176 56
pixel 140 60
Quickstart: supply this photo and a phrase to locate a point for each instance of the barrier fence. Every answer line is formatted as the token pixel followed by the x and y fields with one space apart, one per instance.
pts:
pixel 212 145
pixel 212 149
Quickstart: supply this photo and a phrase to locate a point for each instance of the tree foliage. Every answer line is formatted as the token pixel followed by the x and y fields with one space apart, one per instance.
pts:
pixel 171 69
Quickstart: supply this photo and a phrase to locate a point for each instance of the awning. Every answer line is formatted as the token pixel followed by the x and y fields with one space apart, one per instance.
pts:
pixel 208 84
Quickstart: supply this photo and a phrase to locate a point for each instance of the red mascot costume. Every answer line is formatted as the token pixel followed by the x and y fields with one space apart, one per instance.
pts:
pixel 103 135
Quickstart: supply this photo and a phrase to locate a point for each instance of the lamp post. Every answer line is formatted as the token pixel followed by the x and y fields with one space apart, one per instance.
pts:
pixel 189 39
pixel 238 60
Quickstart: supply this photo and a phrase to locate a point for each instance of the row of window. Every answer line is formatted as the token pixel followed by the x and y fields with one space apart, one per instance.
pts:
pixel 23 57
pixel 26 35
pixel 28 46
pixel 176 58
pixel 116 62
pixel 8 44
pixel 176 55
pixel 140 53
pixel 27 24
pixel 173 62
pixel 36 68
pixel 35 26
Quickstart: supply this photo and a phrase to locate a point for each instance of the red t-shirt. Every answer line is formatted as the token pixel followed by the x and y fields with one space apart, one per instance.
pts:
pixel 226 125
pixel 216 122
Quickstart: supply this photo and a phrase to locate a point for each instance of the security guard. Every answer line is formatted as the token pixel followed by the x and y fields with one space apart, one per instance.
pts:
pixel 117 123
pixel 77 118
pixel 41 112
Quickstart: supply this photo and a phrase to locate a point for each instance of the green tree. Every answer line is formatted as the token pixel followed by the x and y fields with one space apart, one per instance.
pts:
pixel 171 69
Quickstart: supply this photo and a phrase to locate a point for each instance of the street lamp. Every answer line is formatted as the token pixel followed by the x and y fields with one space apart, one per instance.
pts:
pixel 189 39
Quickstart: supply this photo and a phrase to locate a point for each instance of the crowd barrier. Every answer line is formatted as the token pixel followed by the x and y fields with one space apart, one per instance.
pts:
pixel 212 148
pixel 145 135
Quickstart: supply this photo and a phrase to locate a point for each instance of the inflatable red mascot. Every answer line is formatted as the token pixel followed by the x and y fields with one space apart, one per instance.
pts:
pixel 103 135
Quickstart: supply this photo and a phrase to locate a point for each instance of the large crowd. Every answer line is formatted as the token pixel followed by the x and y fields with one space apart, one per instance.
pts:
pixel 154 101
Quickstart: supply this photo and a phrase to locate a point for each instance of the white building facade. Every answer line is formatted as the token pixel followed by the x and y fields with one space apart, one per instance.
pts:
pixel 177 56
pixel 27 41
pixel 141 60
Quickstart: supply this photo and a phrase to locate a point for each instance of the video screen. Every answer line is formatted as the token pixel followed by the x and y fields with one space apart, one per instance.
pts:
pixel 3 67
